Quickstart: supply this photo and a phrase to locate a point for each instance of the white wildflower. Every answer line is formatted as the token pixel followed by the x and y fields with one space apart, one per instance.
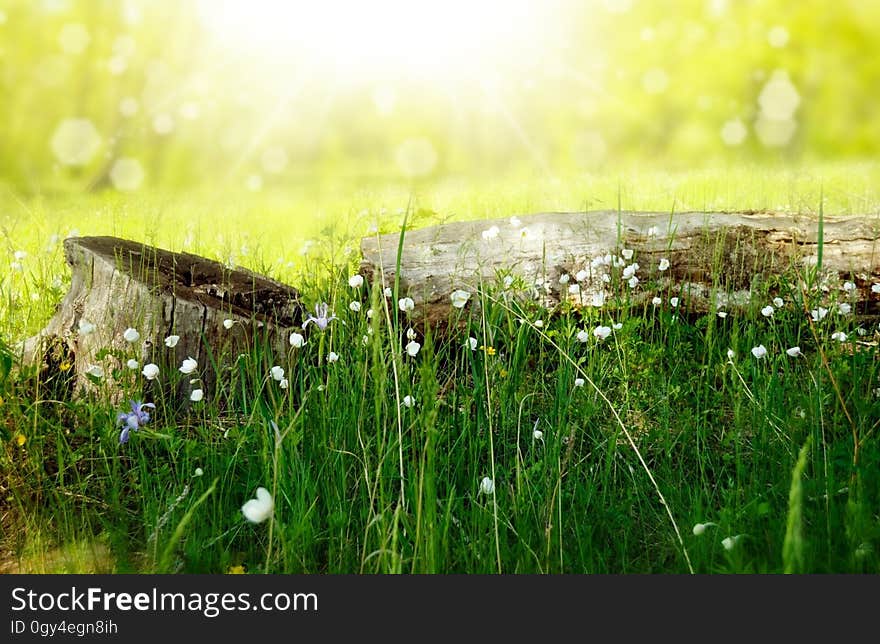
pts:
pixel 297 340
pixel 700 528
pixel 189 365
pixel 259 509
pixel 95 371
pixel 730 542
pixel 459 298
pixel 602 332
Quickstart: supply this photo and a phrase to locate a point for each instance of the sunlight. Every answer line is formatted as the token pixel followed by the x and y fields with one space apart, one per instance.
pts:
pixel 440 39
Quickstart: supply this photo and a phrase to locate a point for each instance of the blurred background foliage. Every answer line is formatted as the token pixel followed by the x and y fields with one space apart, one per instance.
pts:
pixel 132 94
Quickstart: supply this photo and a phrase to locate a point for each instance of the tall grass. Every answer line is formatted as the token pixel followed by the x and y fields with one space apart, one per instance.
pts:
pixel 375 461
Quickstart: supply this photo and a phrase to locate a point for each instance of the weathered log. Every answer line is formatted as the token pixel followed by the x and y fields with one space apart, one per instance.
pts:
pixel 118 284
pixel 715 259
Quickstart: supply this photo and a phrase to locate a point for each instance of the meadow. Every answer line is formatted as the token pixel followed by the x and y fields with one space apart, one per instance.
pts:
pixel 275 136
pixel 529 442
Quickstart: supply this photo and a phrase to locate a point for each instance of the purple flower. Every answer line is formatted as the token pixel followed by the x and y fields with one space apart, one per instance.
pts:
pixel 134 419
pixel 320 318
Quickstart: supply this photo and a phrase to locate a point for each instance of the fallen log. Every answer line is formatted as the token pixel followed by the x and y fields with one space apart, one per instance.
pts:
pixel 715 260
pixel 210 312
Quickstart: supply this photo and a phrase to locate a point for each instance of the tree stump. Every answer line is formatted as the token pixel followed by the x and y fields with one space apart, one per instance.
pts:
pixel 714 259
pixel 116 285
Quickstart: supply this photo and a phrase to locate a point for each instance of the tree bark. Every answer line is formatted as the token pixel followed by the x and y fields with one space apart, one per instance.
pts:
pixel 716 260
pixel 118 284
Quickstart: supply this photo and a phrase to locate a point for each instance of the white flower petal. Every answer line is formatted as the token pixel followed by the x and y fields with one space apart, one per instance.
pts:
pixel 96 371
pixel 460 298
pixel 602 332
pixel 297 340
pixel 412 348
pixel 259 509
pixel 189 365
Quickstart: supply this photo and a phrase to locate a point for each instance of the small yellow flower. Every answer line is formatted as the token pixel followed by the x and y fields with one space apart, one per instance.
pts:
pixel 64 366
pixel 490 351
pixel 503 373
pixel 235 570
pixel 1 401
pixel 20 440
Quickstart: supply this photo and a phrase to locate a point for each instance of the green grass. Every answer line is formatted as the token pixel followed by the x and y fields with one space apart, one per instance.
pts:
pixel 666 432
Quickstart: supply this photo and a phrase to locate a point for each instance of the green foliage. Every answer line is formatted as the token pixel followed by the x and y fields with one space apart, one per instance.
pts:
pixel 281 166
pixel 577 89
pixel 365 479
